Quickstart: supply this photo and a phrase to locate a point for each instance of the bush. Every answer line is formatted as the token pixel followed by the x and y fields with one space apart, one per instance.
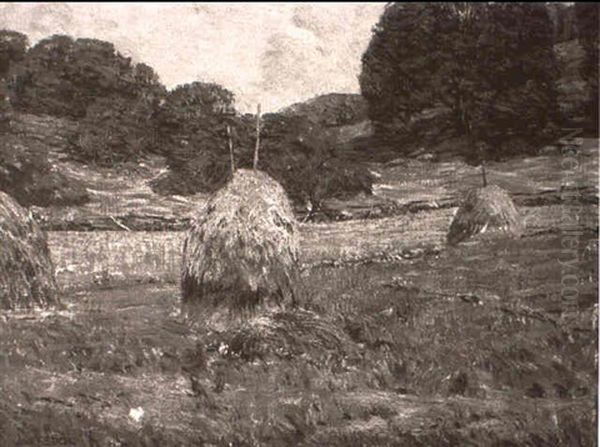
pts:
pixel 32 180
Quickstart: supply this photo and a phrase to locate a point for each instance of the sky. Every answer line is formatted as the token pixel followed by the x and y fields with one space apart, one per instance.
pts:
pixel 272 53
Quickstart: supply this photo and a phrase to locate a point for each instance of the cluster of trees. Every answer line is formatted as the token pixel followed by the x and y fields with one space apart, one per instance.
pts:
pixel 485 71
pixel 123 112
pixel 29 178
pixel 294 150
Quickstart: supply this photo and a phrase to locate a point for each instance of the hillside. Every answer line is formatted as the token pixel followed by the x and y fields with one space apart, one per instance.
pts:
pixel 37 165
pixel 331 110
pixel 122 198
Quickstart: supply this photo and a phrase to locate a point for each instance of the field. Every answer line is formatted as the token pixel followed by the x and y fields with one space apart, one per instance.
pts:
pixel 400 340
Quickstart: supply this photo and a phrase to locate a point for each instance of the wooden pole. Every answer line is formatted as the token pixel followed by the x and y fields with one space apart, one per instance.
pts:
pixel 257 147
pixel 229 140
pixel 483 173
pixel 482 156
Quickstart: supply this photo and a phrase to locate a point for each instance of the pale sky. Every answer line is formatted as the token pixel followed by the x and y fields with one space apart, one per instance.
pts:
pixel 272 53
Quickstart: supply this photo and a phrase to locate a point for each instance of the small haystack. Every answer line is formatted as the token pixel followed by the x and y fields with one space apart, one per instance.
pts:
pixel 485 210
pixel 26 270
pixel 242 249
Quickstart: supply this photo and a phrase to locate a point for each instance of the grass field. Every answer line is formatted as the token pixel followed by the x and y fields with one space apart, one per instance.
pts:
pixel 400 340
pixel 467 346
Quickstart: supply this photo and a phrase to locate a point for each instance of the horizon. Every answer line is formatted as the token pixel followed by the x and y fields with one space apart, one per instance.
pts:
pixel 278 53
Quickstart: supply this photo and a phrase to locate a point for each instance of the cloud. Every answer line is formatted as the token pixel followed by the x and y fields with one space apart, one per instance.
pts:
pixel 276 53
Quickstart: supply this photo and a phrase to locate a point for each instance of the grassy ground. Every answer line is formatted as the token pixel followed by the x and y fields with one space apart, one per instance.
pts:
pixel 124 197
pixel 400 340
pixel 117 257
pixel 465 346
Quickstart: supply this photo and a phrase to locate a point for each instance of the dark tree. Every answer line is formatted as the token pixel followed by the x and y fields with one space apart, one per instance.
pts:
pixel 489 67
pixel 563 20
pixel 62 77
pixel 191 125
pixel 588 26
pixel 294 151
pixel 116 130
pixel 13 46
pixel 303 158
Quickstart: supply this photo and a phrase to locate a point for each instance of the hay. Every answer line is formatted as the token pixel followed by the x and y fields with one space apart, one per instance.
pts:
pixel 242 249
pixel 487 210
pixel 26 270
pixel 285 334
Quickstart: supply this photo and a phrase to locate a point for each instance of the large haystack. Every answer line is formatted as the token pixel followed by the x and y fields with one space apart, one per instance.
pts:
pixel 26 270
pixel 242 249
pixel 487 210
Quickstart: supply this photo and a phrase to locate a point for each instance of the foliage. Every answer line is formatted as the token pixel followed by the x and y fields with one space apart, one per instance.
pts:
pixel 564 21
pixel 191 131
pixel 32 180
pixel 13 46
pixel 62 77
pixel 304 160
pixel 493 79
pixel 116 130
pixel 588 24
pixel 294 151
pixel 123 112
pixel 331 110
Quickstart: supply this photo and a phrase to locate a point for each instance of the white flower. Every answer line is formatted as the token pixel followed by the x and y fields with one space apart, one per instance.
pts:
pixel 136 414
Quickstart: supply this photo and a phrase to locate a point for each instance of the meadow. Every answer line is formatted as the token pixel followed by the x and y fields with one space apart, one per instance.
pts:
pixel 400 340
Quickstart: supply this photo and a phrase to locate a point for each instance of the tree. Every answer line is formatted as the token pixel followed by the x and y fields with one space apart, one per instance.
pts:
pixel 13 46
pixel 120 127
pixel 489 67
pixel 191 126
pixel 116 130
pixel 62 77
pixel 588 26
pixel 294 151
pixel 564 21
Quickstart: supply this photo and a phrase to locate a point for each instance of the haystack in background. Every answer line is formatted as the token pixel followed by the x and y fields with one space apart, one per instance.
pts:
pixel 26 270
pixel 487 210
pixel 242 249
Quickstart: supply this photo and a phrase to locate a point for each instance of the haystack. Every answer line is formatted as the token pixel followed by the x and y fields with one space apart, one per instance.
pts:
pixel 26 270
pixel 242 249
pixel 487 210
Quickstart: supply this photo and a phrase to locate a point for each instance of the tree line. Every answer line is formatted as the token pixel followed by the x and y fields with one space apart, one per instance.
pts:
pixel 123 113
pixel 485 71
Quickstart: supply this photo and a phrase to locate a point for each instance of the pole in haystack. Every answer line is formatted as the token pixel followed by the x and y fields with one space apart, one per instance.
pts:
pixel 488 209
pixel 230 142
pixel 257 147
pixel 482 154
pixel 241 252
